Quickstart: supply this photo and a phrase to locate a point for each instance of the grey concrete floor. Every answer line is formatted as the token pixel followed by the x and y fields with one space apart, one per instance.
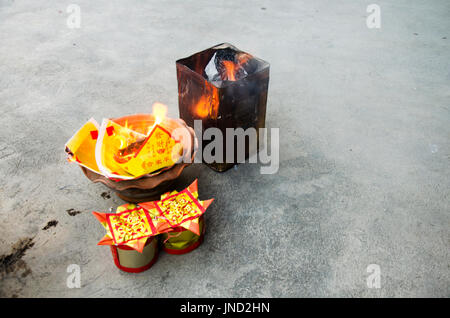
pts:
pixel 364 117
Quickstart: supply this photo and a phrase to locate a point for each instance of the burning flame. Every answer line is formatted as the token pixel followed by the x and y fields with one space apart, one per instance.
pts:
pixel 230 69
pixel 130 141
pixel 208 104
pixel 160 112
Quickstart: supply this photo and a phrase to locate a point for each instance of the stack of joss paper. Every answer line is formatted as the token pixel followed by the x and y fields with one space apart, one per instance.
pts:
pixel 122 152
pixel 132 227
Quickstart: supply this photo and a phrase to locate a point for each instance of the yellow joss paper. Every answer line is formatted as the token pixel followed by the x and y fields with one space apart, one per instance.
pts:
pixel 125 154
pixel 112 138
pixel 158 151
pixel 81 147
pixel 133 224
pixel 180 207
pixel 120 151
pixel 130 225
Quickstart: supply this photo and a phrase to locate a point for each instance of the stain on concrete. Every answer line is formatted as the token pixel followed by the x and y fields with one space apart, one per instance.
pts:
pixel 106 195
pixel 13 262
pixel 50 224
pixel 72 212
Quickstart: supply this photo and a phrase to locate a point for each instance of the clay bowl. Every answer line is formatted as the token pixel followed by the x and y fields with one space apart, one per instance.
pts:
pixel 148 187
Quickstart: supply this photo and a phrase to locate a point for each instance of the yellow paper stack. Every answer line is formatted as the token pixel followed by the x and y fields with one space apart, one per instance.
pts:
pixel 119 152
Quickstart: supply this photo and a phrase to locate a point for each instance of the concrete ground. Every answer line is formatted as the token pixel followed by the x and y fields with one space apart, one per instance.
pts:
pixel 364 118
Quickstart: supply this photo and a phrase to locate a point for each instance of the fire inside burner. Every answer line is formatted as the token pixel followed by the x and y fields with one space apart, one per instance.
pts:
pixel 224 87
pixel 228 65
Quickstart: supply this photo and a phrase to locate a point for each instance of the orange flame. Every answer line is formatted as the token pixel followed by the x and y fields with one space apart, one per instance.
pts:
pixel 160 112
pixel 243 58
pixel 130 141
pixel 231 70
pixel 208 104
